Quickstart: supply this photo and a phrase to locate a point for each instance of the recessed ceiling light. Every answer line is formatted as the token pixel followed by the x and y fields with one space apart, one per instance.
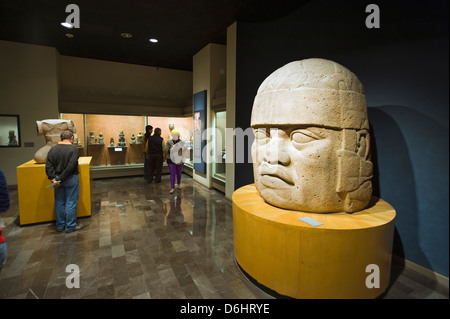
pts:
pixel 153 40
pixel 69 35
pixel 67 25
pixel 126 35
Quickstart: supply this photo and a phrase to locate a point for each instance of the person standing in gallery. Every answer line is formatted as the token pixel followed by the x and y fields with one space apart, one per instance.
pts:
pixel 175 158
pixel 4 206
pixel 156 156
pixel 61 168
pixel 148 133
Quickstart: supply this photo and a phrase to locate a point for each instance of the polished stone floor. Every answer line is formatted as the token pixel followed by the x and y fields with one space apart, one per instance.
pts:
pixel 142 242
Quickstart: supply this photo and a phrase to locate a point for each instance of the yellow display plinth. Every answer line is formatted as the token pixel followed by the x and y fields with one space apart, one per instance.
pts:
pixel 345 257
pixel 36 201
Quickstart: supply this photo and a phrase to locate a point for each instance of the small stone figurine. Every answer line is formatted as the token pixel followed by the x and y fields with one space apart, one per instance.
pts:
pixel 140 138
pixel 101 139
pixel 171 127
pixel 12 138
pixel 76 140
pixel 121 139
pixel 133 139
pixel 111 141
pixel 91 137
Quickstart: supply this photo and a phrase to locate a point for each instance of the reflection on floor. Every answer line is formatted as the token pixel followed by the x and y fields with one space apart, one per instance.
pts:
pixel 142 242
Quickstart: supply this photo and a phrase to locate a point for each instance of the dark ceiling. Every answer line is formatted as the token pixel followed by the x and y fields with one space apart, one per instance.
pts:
pixel 182 27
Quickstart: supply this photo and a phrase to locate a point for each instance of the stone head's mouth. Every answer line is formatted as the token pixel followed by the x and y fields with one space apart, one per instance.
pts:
pixel 275 176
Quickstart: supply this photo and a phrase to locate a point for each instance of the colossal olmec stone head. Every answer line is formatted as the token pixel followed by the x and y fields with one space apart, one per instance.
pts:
pixel 312 145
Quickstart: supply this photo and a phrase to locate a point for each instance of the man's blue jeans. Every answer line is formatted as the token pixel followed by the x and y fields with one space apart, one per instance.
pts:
pixel 66 203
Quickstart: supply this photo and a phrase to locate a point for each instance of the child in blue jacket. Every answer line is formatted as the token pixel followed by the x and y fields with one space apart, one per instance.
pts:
pixel 4 206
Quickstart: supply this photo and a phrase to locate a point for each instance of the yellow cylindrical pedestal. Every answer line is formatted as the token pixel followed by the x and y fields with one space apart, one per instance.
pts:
pixel 36 201
pixel 348 256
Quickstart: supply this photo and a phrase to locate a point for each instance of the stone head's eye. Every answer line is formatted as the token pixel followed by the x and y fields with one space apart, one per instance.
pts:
pixel 261 135
pixel 303 136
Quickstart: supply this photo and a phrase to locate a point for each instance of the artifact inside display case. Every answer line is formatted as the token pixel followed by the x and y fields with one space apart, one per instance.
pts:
pixel 119 147
pixel 91 138
pixel 140 138
pixel 76 141
pixel 123 134
pixel 9 130
pixel 312 146
pixel 121 139
pixel 51 129
pixel 94 140
pixel 12 138
pixel 171 127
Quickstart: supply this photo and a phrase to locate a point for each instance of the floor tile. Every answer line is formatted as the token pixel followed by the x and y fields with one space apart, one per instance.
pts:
pixel 143 243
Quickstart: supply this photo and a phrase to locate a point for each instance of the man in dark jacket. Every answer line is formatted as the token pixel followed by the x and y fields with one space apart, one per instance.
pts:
pixel 62 169
pixel 155 155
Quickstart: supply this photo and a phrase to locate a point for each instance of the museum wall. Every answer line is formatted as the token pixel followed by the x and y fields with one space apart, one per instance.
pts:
pixel 29 88
pixel 231 105
pixel 104 87
pixel 404 68
pixel 209 73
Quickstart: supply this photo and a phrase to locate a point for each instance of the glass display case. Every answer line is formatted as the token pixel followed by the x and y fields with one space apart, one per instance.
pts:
pixel 113 139
pixel 117 140
pixel 219 123
pixel 9 130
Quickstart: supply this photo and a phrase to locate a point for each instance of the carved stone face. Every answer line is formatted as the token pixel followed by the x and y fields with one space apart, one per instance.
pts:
pixel 296 167
pixel 312 149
